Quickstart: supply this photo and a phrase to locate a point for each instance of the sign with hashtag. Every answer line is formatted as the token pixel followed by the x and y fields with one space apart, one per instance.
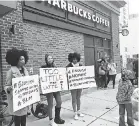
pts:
pixel 81 77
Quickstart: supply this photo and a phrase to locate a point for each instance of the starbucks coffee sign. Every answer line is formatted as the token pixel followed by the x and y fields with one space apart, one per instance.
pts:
pixel 65 5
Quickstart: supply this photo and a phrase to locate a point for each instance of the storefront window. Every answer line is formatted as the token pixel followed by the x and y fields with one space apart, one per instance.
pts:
pixel 98 42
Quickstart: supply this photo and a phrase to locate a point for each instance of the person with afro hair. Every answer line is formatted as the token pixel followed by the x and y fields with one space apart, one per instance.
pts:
pixel 74 59
pixel 17 59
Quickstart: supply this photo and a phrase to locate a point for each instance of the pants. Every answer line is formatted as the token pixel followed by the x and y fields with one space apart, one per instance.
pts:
pixel 57 97
pixel 128 108
pixel 76 95
pixel 20 120
pixel 103 81
pixel 111 77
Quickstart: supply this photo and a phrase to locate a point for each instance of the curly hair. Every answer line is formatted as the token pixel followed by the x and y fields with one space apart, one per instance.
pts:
pixel 74 55
pixel 13 55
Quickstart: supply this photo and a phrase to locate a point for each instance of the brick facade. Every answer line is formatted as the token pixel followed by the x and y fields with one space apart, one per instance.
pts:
pixel 37 40
pixel 40 39
pixel 115 41
pixel 9 40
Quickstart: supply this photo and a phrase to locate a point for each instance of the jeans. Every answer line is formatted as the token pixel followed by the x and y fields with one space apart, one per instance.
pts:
pixel 20 120
pixel 57 97
pixel 76 95
pixel 128 108
pixel 103 81
pixel 111 77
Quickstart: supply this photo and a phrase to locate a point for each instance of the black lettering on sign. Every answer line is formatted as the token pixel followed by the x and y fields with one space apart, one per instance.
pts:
pixel 20 96
pixel 51 71
pixel 69 72
pixel 22 83
pixel 79 70
pixel 19 103
pixel 69 77
pixel 25 100
pixel 50 87
pixel 15 85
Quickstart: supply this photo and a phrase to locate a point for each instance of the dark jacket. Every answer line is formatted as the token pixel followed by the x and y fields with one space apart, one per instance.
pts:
pixel 70 65
pixel 48 65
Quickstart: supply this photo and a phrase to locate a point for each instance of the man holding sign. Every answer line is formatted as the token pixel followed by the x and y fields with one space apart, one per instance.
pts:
pixel 51 84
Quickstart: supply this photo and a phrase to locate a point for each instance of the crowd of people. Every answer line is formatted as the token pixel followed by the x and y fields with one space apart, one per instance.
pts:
pixel 106 70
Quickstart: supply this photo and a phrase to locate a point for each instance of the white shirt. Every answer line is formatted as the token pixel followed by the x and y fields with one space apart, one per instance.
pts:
pixel 75 65
pixel 112 68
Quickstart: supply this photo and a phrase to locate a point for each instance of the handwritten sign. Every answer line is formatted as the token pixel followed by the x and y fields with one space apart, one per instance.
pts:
pixel 53 80
pixel 25 91
pixel 81 77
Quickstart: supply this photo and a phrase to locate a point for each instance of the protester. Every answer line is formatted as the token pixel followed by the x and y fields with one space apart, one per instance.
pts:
pixel 103 74
pixel 74 59
pixel 123 97
pixel 17 59
pixel 53 122
pixel 111 72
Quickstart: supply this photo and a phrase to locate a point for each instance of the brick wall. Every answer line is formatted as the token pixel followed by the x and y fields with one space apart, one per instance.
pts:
pixel 38 40
pixel 41 39
pixel 115 40
pixel 9 40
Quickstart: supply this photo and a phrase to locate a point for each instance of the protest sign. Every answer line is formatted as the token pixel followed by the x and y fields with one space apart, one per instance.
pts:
pixel 25 91
pixel 53 80
pixel 81 77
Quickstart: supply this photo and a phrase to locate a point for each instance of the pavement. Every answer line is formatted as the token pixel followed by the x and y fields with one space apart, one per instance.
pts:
pixel 99 107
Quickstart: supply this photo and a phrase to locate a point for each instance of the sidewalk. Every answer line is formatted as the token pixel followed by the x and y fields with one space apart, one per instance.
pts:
pixel 99 106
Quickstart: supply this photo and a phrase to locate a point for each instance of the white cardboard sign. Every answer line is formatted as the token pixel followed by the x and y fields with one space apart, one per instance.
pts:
pixel 53 80
pixel 81 77
pixel 25 91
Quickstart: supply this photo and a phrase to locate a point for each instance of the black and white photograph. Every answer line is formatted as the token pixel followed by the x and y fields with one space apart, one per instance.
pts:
pixel 69 62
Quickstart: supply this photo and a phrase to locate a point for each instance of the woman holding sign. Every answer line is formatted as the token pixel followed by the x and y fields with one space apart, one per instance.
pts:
pixel 74 59
pixel 17 59
pixel 53 122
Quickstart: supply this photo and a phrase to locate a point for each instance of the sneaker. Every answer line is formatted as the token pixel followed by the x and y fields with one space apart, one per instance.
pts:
pixel 80 114
pixel 76 116
pixel 52 123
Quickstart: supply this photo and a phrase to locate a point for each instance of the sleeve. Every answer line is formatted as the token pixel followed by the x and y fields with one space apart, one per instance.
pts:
pixel 130 90
pixel 108 67
pixel 8 80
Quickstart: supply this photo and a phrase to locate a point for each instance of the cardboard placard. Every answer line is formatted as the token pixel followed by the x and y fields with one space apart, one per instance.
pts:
pixel 25 91
pixel 81 77
pixel 53 80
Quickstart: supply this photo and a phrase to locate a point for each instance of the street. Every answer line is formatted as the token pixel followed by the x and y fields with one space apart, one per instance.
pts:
pixel 99 107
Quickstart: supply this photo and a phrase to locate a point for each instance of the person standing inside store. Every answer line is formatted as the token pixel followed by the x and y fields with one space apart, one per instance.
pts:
pixel 53 122
pixel 17 59
pixel 123 97
pixel 74 59
pixel 111 72
pixel 103 74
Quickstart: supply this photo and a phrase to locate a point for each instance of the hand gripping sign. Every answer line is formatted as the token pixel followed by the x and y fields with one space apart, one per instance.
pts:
pixel 81 77
pixel 25 91
pixel 53 80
